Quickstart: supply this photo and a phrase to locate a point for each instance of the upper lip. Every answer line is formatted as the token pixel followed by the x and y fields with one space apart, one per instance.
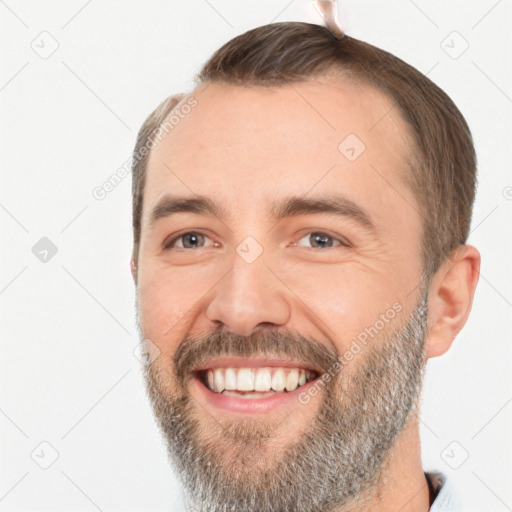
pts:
pixel 254 362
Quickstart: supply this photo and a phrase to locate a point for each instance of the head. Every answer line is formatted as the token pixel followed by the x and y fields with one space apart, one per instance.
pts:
pixel 300 210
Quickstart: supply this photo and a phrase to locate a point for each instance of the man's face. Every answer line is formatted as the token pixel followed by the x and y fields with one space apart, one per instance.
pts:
pixel 278 290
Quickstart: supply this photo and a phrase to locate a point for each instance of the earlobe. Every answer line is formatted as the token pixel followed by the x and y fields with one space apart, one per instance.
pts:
pixel 451 297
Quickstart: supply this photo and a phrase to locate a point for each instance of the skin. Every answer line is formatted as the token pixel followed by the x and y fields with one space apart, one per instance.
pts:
pixel 247 147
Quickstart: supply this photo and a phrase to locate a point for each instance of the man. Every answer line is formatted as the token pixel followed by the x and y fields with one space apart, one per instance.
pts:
pixel 300 224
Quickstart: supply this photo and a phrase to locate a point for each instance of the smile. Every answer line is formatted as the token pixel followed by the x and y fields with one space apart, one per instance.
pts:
pixel 255 382
pixel 252 385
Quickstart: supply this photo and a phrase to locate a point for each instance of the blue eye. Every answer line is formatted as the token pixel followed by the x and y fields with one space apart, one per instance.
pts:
pixel 189 240
pixel 319 240
pixel 195 240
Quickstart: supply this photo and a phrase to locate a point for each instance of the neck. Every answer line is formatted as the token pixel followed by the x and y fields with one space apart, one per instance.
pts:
pixel 402 485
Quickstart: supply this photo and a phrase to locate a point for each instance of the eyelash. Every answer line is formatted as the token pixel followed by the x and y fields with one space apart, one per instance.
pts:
pixel 341 241
pixel 168 244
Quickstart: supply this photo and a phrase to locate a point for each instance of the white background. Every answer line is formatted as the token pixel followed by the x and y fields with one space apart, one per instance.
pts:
pixel 68 373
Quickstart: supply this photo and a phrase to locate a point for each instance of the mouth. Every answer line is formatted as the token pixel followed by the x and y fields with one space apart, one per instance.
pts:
pixel 252 385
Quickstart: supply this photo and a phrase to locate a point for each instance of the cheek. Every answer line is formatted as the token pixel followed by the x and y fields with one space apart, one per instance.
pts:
pixel 163 303
pixel 347 299
pixel 168 299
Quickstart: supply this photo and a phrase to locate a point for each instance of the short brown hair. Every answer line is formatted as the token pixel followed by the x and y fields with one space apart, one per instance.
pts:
pixel 443 174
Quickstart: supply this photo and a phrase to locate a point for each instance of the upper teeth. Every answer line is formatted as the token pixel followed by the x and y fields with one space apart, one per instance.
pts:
pixel 256 379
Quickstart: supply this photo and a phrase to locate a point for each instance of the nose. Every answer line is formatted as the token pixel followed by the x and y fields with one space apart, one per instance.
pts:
pixel 248 298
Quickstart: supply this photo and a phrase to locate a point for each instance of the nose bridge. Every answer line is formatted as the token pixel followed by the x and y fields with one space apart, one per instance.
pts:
pixel 249 295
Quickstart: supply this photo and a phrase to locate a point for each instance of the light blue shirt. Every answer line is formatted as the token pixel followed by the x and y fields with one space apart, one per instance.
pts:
pixel 446 499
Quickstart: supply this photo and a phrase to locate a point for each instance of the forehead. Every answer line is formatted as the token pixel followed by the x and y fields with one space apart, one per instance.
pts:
pixel 249 145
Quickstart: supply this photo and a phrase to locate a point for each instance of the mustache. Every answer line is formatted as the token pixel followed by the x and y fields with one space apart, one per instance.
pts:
pixel 285 344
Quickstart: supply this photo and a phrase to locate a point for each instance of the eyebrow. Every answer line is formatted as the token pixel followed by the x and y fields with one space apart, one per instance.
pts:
pixel 170 205
pixel 337 205
pixel 289 207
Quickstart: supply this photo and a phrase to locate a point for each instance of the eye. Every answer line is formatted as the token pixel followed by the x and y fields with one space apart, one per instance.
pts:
pixel 320 240
pixel 188 240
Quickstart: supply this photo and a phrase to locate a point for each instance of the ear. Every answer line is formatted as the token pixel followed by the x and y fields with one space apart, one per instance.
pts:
pixel 451 297
pixel 133 266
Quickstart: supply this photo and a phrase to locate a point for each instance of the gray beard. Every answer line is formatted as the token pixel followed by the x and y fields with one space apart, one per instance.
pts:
pixel 334 465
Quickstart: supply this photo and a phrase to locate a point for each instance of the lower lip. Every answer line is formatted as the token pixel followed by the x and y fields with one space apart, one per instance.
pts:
pixel 248 405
